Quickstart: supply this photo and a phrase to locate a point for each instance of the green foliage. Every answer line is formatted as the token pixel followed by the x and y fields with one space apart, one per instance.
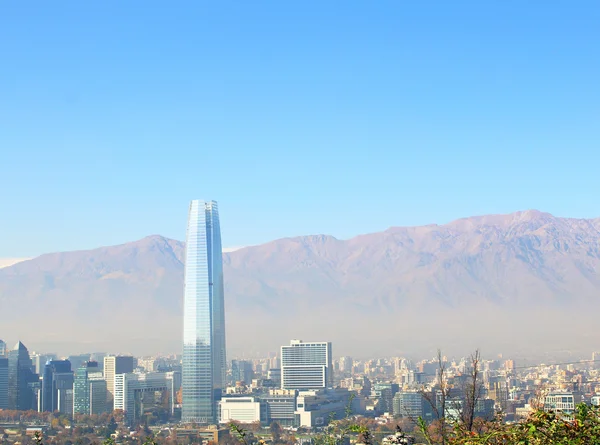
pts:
pixel 364 434
pixel 149 440
pixel 541 428
pixel 38 439
pixel 337 431
pixel 245 437
pixel 582 428
pixel 238 432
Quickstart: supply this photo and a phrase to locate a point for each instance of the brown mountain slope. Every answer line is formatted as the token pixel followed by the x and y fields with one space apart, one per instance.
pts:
pixel 111 297
pixel 526 257
pixel 490 279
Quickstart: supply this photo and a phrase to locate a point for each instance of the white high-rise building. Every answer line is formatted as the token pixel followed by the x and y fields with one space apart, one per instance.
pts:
pixel 306 366
pixel 114 365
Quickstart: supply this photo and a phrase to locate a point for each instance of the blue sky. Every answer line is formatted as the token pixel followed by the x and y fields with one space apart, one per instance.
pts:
pixel 305 117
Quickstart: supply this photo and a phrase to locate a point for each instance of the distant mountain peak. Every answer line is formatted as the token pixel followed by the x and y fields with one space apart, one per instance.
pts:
pixel 155 237
pixel 317 239
pixel 152 240
pixel 533 215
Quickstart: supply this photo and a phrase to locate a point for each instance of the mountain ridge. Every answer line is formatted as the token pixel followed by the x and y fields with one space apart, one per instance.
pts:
pixel 471 268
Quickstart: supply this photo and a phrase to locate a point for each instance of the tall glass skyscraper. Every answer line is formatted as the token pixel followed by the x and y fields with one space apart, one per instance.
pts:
pixel 89 390
pixel 3 383
pixel 204 364
pixel 57 387
pixel 21 379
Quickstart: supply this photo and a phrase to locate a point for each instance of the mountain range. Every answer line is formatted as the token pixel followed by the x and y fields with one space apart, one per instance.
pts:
pixel 522 282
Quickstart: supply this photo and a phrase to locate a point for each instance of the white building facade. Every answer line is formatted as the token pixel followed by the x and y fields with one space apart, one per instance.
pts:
pixel 240 409
pixel 306 366
pixel 561 402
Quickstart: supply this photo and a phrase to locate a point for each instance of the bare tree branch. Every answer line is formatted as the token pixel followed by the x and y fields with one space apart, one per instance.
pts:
pixel 472 391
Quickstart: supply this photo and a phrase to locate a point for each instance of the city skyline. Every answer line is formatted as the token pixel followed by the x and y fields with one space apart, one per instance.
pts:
pixel 204 347
pixel 388 390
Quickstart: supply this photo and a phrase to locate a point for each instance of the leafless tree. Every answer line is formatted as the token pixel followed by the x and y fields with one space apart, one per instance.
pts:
pixel 440 399
pixel 537 401
pixel 437 404
pixel 473 389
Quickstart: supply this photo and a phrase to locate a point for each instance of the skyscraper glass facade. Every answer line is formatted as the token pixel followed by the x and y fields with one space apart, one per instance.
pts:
pixel 57 381
pixel 204 361
pixel 241 371
pixel 89 390
pixel 21 379
pixel 3 383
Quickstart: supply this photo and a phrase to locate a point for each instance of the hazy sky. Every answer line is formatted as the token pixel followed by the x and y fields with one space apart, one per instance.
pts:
pixel 298 117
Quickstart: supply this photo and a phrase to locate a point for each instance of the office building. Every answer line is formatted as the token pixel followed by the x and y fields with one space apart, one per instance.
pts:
pixel 316 408
pixel 562 402
pixel 21 380
pixel 3 383
pixel 241 371
pixel 345 364
pixel 89 390
pixel 509 366
pixel 97 391
pixel 287 407
pixel 210 434
pixel 40 360
pixel 280 407
pixel 77 361
pixel 240 409
pixel 497 390
pixel 409 405
pixel 306 366
pixel 485 409
pixel 98 357
pixel 274 363
pixel 274 377
pixel 453 408
pixel 148 364
pixel 204 365
pixel 384 394
pixel 2 349
pixel 113 365
pixel 57 387
pixel 135 392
